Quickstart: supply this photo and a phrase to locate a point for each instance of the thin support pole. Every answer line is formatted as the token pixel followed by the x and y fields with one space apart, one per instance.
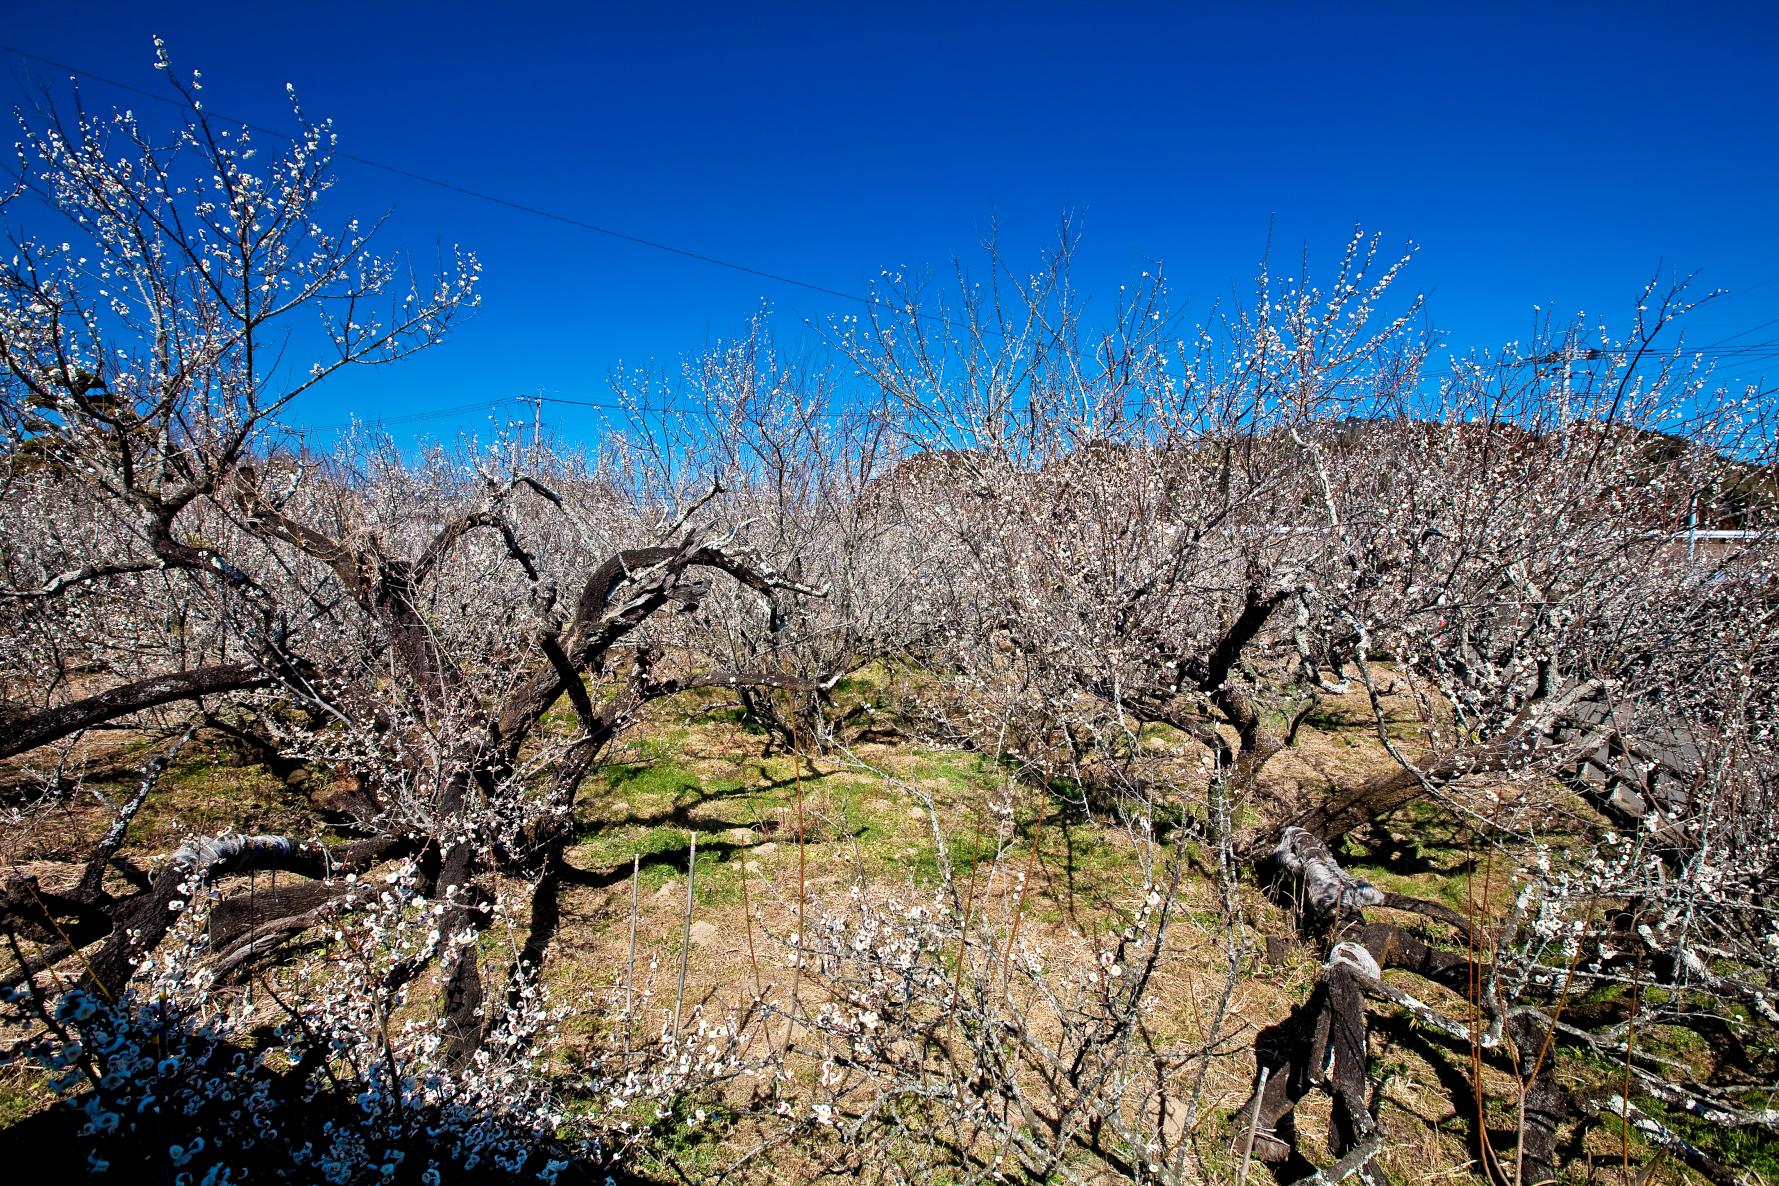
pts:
pixel 630 968
pixel 685 943
pixel 1241 1176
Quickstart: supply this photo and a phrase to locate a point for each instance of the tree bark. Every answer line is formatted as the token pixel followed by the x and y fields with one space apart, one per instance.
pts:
pixel 23 729
pixel 149 916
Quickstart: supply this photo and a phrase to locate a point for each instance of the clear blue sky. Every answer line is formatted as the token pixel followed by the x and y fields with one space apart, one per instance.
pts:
pixel 1542 154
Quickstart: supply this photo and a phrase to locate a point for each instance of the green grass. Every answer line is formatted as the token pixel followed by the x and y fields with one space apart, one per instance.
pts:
pixel 658 747
pixel 613 847
pixel 862 684
pixel 1748 1148
pixel 1752 1149
pixel 1429 859
pixel 950 776
pixel 204 796
pixel 736 718
pixel 22 1094
pixel 683 1146
pixel 1675 1042
pixel 964 850
pixel 662 779
pixel 718 877
pixel 664 850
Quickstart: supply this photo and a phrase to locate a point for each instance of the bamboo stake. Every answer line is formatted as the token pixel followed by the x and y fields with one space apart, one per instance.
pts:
pixel 1241 1176
pixel 802 893
pixel 685 942
pixel 630 968
pixel 747 910
pixel 1025 887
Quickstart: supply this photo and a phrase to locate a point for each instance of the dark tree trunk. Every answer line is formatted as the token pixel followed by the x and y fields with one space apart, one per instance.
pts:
pixel 1544 1104
pixel 22 729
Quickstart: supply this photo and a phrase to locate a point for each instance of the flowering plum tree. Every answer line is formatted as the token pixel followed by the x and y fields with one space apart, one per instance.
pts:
pixel 801 462
pixel 402 626
pixel 1134 564
pixel 1211 535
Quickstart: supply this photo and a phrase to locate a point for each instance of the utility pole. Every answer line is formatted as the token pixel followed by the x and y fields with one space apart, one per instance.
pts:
pixel 1692 529
pixel 537 427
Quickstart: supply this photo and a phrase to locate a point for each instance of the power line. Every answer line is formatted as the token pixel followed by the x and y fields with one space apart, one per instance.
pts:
pixel 479 195
pixel 1721 342
pixel 659 409
pixel 493 404
pixel 495 199
pixel 411 417
pixel 1758 352
pixel 1736 292
pixel 588 403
